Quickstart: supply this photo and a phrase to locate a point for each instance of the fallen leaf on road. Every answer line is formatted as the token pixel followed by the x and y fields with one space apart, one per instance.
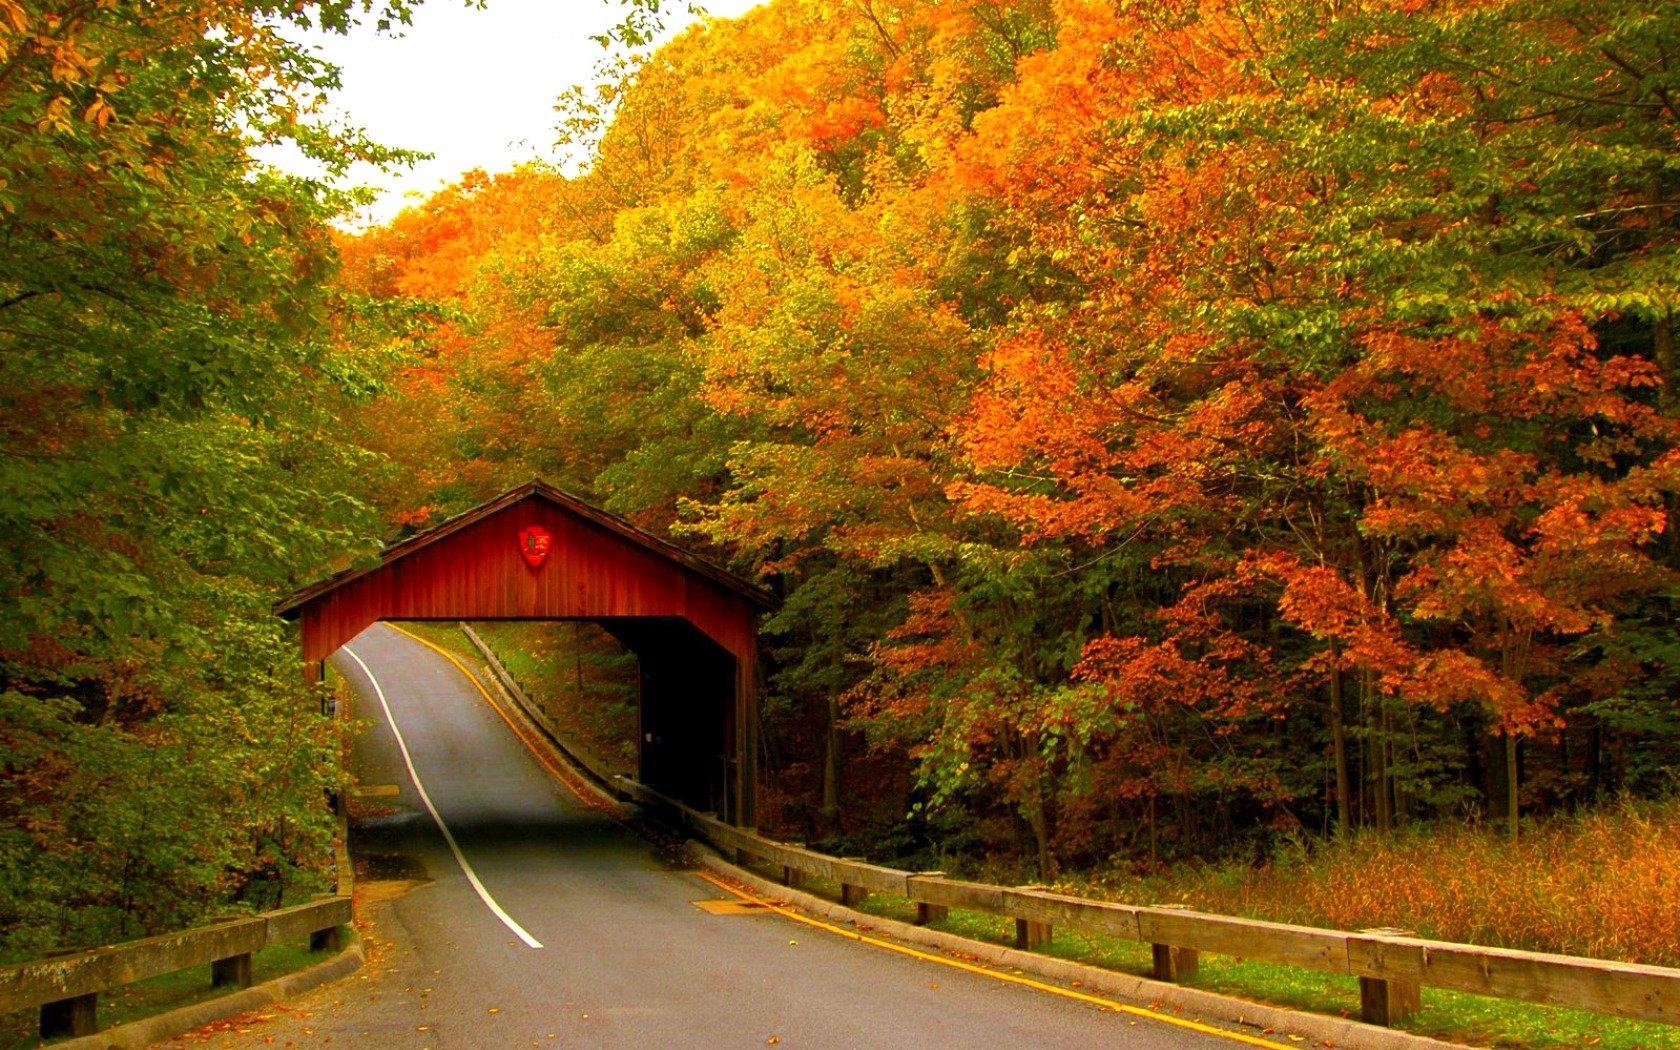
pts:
pixel 773 1040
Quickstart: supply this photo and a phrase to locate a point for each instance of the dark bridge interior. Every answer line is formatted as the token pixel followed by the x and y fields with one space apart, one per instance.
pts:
pixel 686 694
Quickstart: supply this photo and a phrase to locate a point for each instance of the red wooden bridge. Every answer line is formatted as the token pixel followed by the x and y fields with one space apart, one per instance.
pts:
pixel 537 553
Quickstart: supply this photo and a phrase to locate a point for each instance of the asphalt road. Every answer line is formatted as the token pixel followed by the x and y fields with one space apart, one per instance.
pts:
pixel 627 958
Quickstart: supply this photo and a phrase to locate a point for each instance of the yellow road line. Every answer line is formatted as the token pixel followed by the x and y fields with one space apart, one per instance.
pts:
pixel 585 792
pixel 1066 993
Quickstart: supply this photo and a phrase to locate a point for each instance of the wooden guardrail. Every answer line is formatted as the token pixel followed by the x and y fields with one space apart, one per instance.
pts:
pixel 67 987
pixel 1392 966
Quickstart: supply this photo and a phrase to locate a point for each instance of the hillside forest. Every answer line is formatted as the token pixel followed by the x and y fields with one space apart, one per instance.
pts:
pixel 1174 432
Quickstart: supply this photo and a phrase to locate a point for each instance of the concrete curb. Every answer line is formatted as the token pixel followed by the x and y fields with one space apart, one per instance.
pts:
pixel 1322 1029
pixel 149 1031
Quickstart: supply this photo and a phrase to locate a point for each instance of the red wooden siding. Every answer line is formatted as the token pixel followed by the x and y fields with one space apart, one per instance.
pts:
pixel 476 573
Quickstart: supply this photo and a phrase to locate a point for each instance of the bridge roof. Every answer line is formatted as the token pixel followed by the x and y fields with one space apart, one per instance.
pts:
pixel 292 605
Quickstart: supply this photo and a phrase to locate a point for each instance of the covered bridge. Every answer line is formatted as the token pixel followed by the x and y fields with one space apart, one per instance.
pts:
pixel 537 553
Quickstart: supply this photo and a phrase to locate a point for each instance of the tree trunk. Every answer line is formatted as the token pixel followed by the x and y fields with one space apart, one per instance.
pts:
pixel 1038 818
pixel 1595 759
pixel 1565 760
pixel 1662 327
pixel 829 814
pixel 1338 738
pixel 1511 783
pixel 1154 837
pixel 1379 780
pixel 1379 761
pixel 1662 350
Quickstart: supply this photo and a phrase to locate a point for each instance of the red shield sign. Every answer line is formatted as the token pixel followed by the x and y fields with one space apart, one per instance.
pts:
pixel 534 541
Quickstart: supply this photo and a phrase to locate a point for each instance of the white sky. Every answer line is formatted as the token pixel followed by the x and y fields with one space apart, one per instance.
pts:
pixel 474 87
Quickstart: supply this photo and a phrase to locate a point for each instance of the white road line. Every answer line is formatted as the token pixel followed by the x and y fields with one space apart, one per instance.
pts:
pixel 460 858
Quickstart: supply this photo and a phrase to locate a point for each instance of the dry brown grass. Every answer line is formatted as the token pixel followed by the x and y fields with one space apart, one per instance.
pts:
pixel 1604 884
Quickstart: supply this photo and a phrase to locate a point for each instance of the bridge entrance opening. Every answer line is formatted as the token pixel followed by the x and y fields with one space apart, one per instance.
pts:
pixel 536 553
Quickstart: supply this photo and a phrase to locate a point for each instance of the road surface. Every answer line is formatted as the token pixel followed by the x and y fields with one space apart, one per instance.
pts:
pixel 627 958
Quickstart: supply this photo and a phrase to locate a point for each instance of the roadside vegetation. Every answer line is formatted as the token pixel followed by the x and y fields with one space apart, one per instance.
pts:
pixel 1604 883
pixel 580 679
pixel 167 463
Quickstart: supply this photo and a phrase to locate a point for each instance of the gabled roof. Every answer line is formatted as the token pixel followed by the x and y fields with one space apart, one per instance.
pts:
pixel 290 605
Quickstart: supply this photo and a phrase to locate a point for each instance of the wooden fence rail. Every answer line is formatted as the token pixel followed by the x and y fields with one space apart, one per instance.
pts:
pixel 1391 965
pixel 67 987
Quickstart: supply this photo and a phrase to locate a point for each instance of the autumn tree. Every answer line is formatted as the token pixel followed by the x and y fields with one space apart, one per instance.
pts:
pixel 167 461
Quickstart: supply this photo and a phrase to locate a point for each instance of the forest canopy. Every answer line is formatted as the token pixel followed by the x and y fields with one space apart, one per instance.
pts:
pixel 1168 426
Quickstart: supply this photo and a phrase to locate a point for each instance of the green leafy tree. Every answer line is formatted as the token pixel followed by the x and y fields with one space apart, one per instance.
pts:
pixel 167 459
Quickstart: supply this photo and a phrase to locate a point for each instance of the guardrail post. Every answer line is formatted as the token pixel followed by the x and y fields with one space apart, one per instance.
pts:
pixel 741 855
pixel 1030 934
pixel 78 1015
pixel 1172 963
pixel 1388 1000
pixel 791 876
pixel 328 940
pixel 926 913
pixel 1175 964
pixel 233 971
pixel 852 896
